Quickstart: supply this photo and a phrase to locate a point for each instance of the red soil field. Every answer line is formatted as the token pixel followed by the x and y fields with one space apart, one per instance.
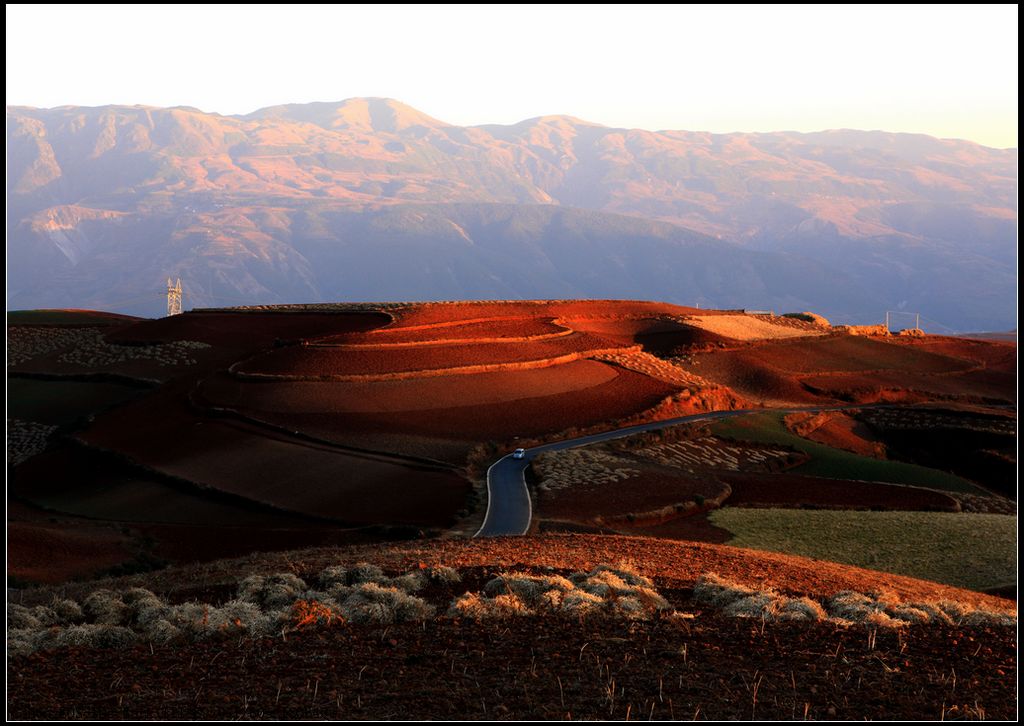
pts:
pixel 858 368
pixel 429 313
pixel 654 332
pixel 182 544
pixel 68 317
pixel 844 353
pixel 838 430
pixel 103 488
pixel 750 380
pixel 317 362
pixel 672 564
pixel 459 330
pixel 45 548
pixel 909 385
pixel 993 354
pixel 625 395
pixel 57 552
pixel 162 432
pixel 654 488
pixel 808 492
pixel 248 330
pixel 695 527
pixel 404 395
pixel 306 478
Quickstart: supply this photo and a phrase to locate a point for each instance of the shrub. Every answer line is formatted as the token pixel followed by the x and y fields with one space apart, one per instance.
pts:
pixel 373 603
pixel 852 606
pixel 581 602
pixel 882 620
pixel 410 582
pixel 910 614
pixel 22 641
pixel 650 599
pixel 191 618
pixel 802 608
pixel 272 592
pixel 104 607
pixel 365 572
pixel 473 605
pixel 446 575
pixel 68 612
pixel 47 617
pixel 237 617
pixel 314 612
pixel 956 611
pixel 762 605
pixel 528 588
pixel 718 592
pixel 985 618
pixel 603 583
pixel 20 617
pixel 618 591
pixel 161 631
pixel 333 575
pixel 95 636
pixel 934 612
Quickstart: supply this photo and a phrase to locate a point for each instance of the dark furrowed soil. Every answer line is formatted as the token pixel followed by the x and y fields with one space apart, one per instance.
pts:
pixel 537 668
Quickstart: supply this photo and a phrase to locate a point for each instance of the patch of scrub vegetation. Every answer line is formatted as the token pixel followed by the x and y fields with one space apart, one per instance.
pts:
pixel 973 551
pixel 604 591
pixel 268 606
pixel 879 609
pixel 825 461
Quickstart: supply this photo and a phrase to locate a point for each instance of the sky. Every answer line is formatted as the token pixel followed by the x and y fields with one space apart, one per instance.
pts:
pixel 947 71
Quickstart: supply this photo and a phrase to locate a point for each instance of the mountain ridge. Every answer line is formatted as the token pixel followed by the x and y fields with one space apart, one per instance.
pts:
pixel 902 221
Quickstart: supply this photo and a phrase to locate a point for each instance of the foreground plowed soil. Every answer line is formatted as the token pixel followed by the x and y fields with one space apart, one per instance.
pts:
pixel 715 668
pixel 702 665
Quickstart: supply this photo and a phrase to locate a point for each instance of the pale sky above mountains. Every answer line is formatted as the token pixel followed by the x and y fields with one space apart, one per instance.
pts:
pixel 947 71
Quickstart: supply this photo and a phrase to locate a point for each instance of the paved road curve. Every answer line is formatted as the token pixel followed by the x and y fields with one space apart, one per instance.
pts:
pixel 509 509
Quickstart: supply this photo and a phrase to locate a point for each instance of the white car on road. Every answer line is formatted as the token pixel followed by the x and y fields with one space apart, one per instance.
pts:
pixel 519 453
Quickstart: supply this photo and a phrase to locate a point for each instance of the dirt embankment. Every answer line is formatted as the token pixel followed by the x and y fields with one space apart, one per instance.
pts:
pixel 837 429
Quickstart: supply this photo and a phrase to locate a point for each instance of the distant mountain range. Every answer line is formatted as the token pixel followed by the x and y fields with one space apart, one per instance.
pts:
pixel 369 199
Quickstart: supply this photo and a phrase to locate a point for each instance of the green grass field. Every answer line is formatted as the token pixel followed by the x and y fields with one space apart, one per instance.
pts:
pixel 62 402
pixel 974 551
pixel 768 428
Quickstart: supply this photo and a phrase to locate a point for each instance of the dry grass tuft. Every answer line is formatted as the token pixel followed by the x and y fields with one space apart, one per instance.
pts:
pixel 68 612
pixel 314 612
pixel 271 592
pixel 95 636
pixel 445 575
pixel 477 607
pixel 333 575
pixel 612 591
pixel 373 603
pixel 878 609
pixel 105 607
pixel 365 572
pixel 410 582
pixel 20 617
pixel 802 608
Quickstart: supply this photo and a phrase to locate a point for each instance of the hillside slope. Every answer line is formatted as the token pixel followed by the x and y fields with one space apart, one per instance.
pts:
pixel 105 202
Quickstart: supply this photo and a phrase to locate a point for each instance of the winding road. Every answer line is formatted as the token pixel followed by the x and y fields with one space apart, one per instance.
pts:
pixel 509 509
